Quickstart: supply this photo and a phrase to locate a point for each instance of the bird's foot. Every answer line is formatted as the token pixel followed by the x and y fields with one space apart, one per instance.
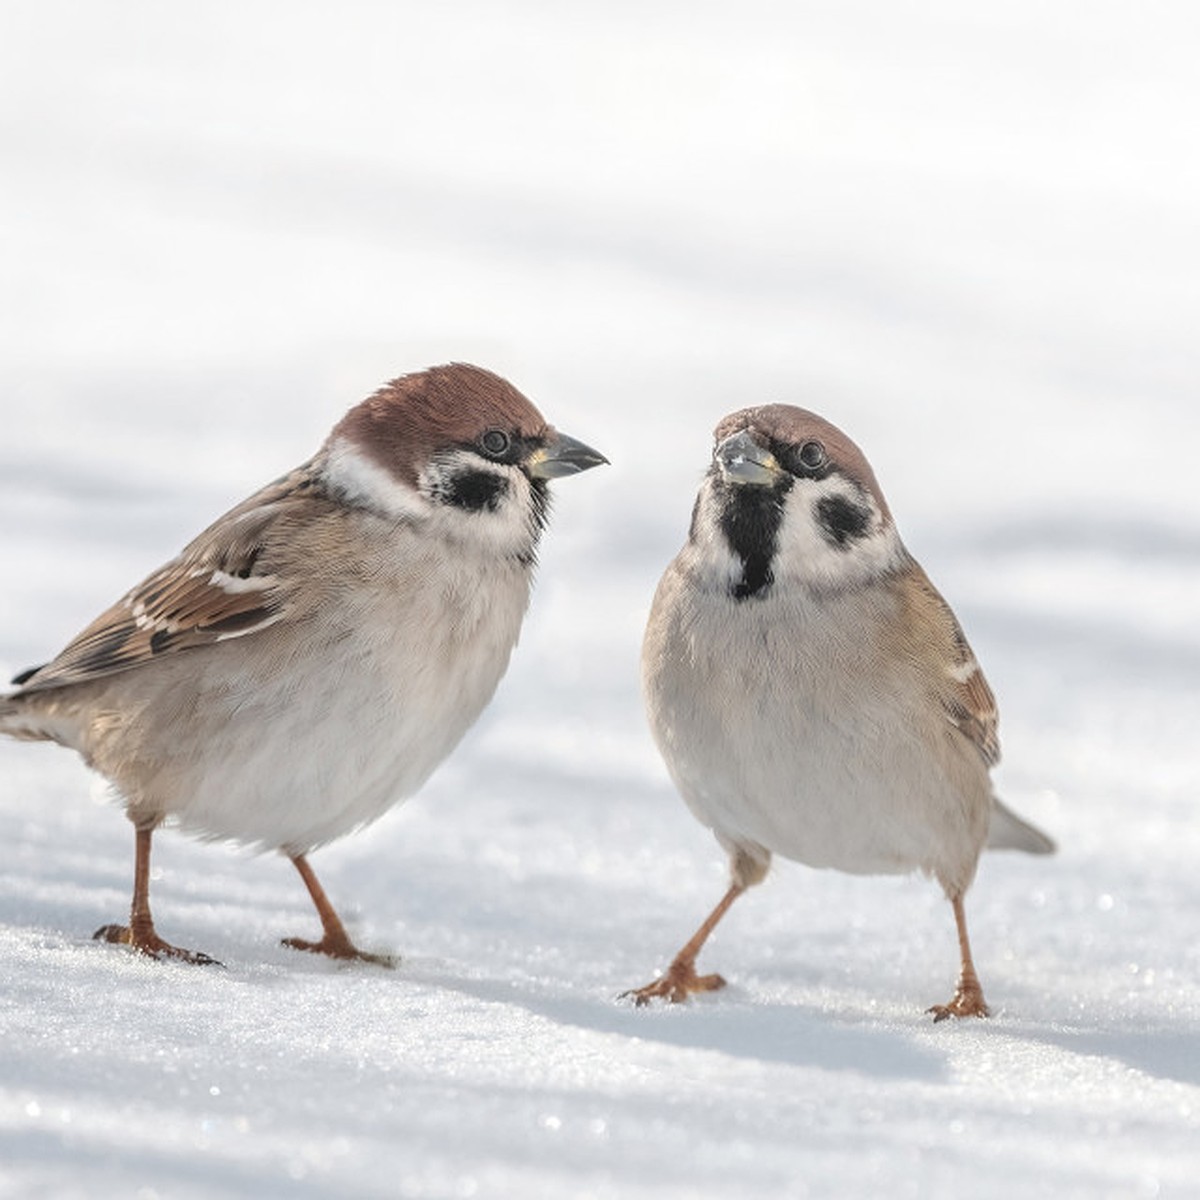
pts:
pixel 678 983
pixel 967 1002
pixel 145 941
pixel 343 949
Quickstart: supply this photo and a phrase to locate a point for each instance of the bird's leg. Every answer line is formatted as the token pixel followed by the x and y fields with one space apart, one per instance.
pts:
pixel 335 941
pixel 967 1000
pixel 140 934
pixel 680 980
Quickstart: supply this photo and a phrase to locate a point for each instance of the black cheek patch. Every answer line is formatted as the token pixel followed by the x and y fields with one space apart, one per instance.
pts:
pixel 476 490
pixel 842 521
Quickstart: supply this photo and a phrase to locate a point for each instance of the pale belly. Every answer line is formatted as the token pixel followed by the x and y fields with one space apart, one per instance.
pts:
pixel 855 804
pixel 309 755
pixel 771 748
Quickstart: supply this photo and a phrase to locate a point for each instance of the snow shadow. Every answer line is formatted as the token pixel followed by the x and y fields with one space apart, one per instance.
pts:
pixel 769 1033
pixel 48 1161
pixel 1167 1054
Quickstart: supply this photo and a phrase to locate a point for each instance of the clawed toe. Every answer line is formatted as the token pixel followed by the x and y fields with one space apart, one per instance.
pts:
pixel 675 986
pixel 335 941
pixel 148 942
pixel 966 1002
pixel 342 950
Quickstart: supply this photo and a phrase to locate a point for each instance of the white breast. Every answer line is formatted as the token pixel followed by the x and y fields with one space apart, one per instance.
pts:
pixel 332 723
pixel 772 742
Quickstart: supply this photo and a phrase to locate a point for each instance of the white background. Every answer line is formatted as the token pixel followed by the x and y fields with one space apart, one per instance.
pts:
pixel 968 234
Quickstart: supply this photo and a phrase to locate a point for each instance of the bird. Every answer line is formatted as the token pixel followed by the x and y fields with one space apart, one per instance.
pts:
pixel 309 659
pixel 811 692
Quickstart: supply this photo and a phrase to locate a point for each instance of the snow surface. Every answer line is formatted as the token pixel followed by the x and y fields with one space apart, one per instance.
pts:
pixel 966 233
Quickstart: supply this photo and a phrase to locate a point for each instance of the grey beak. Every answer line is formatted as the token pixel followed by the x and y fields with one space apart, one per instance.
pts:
pixel 562 455
pixel 743 460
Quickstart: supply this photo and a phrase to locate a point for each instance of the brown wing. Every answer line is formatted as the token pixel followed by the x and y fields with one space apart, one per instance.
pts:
pixel 219 587
pixel 963 690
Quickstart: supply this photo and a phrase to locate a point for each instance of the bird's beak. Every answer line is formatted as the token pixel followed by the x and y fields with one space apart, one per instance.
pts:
pixel 743 460
pixel 562 455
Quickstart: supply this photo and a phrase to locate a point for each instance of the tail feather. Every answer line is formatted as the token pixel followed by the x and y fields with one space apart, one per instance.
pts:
pixel 14 716
pixel 19 722
pixel 1010 832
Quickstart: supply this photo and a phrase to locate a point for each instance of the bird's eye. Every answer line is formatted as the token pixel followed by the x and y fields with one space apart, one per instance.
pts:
pixel 812 456
pixel 495 442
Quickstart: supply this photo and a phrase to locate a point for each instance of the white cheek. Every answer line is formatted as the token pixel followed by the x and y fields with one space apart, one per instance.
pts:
pixel 707 553
pixel 508 528
pixel 806 553
pixel 366 483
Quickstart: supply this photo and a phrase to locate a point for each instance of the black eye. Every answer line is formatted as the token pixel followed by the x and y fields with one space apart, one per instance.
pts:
pixel 812 456
pixel 495 442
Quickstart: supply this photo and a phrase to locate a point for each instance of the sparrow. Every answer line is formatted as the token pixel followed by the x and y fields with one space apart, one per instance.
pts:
pixel 811 692
pixel 309 659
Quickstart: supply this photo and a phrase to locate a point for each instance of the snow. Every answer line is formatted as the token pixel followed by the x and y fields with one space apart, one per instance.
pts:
pixel 966 234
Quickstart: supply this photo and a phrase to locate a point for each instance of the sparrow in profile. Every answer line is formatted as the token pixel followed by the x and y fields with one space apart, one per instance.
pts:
pixel 310 658
pixel 810 690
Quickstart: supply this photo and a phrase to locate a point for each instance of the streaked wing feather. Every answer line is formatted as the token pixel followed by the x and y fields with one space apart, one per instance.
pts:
pixel 965 695
pixel 215 589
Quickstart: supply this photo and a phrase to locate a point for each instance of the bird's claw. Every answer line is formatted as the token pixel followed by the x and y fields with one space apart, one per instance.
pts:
pixel 148 942
pixel 343 950
pixel 678 983
pixel 966 1002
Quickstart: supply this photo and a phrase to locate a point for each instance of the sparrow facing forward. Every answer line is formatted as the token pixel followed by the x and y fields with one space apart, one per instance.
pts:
pixel 311 657
pixel 811 692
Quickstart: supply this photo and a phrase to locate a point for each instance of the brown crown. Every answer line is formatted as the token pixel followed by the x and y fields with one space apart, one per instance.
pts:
pixel 409 419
